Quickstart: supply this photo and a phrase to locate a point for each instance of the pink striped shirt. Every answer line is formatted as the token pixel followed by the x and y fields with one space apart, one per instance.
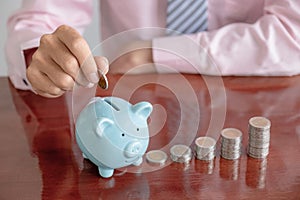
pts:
pixel 244 37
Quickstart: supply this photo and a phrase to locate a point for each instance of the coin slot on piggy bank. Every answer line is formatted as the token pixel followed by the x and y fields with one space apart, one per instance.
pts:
pixel 112 133
pixel 111 104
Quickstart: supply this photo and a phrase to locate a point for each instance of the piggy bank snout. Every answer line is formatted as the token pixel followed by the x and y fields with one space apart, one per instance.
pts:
pixel 133 149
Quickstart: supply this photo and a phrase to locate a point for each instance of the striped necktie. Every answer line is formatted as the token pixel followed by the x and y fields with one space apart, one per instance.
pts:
pixel 186 16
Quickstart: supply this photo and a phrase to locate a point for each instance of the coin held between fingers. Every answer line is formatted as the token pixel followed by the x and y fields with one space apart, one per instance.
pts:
pixel 103 83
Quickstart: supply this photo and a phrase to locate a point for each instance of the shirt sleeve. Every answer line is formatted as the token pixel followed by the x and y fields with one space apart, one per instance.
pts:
pixel 268 47
pixel 31 21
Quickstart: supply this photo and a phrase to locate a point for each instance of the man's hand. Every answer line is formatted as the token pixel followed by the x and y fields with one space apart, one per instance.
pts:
pixel 133 57
pixel 62 59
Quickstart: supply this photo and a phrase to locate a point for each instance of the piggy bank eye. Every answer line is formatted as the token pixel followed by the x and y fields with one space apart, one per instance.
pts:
pixel 137 129
pixel 123 134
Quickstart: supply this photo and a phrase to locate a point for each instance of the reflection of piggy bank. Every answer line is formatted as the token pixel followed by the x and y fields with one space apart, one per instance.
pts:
pixel 113 133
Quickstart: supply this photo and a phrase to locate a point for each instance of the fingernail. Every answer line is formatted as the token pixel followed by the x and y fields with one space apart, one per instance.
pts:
pixel 104 62
pixel 104 65
pixel 94 77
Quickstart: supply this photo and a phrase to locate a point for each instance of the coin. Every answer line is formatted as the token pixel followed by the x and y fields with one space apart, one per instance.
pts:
pixel 261 123
pixel 231 134
pixel 103 83
pixel 181 153
pixel 230 155
pixel 205 142
pixel 156 157
pixel 258 143
pixel 207 157
pixel 257 152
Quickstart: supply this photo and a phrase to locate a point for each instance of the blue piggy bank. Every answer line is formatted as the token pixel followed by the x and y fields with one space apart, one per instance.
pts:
pixel 112 133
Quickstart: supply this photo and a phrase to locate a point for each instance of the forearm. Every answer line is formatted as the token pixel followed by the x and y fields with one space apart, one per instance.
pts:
pixel 268 47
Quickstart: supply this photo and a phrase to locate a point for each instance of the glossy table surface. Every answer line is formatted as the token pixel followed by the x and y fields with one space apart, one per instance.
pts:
pixel 41 160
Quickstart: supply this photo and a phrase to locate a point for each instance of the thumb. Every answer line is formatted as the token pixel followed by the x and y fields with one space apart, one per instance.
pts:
pixel 102 64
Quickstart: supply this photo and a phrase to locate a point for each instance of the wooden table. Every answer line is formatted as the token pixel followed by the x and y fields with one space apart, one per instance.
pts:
pixel 41 160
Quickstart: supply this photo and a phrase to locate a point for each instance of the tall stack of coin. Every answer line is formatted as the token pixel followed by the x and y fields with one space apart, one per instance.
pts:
pixel 231 143
pixel 181 153
pixel 205 148
pixel 259 137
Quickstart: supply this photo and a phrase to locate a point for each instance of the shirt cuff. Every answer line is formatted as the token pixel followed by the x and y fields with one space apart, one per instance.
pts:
pixel 16 61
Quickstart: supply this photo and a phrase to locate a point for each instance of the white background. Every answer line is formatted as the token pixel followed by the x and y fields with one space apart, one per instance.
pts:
pixel 7 7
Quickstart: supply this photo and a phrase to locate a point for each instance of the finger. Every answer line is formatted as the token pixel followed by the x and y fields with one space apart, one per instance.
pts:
pixel 45 65
pixel 38 92
pixel 81 80
pixel 80 49
pixel 52 48
pixel 61 79
pixel 102 64
pixel 41 83
pixel 73 71
pixel 64 58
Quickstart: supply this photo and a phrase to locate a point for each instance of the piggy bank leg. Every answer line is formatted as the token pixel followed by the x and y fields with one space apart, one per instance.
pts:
pixel 138 162
pixel 105 172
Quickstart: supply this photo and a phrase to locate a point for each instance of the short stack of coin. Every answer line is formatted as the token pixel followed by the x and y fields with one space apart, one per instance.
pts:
pixel 231 143
pixel 156 157
pixel 181 153
pixel 259 137
pixel 205 148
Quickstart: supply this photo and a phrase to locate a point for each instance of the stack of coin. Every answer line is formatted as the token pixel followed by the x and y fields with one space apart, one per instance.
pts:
pixel 205 148
pixel 181 153
pixel 259 137
pixel 231 142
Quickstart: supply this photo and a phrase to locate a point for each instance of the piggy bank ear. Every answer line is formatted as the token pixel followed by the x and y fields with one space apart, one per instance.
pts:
pixel 142 109
pixel 102 124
